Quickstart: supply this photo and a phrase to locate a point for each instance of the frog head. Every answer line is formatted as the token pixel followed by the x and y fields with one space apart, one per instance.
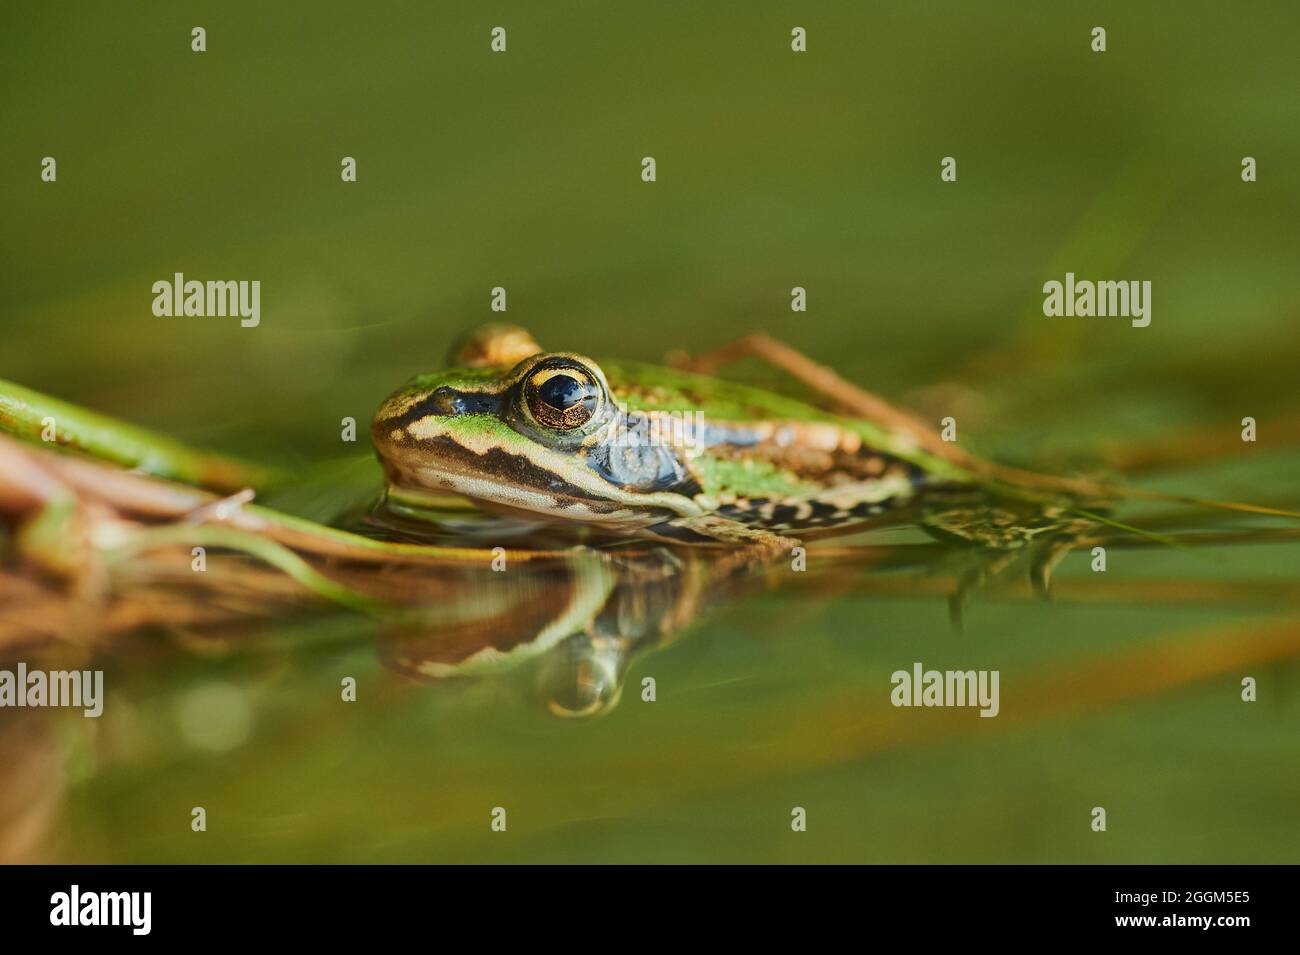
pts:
pixel 544 436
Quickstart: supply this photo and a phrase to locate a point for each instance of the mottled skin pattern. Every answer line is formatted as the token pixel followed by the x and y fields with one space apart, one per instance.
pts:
pixel 638 448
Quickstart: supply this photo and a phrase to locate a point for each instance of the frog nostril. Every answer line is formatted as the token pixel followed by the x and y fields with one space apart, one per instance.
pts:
pixel 446 401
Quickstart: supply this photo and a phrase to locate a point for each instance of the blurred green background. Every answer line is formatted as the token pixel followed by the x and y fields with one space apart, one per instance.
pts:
pixel 775 169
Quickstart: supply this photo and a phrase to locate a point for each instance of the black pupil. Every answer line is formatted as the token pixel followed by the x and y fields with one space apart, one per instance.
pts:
pixel 562 392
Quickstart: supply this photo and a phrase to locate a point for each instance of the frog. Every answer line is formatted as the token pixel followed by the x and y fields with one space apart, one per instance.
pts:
pixel 644 450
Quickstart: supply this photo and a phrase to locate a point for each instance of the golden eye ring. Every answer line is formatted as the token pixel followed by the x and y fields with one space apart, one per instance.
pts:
pixel 562 396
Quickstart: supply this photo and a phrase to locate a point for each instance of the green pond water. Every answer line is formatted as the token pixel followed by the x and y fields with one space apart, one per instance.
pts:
pixel 774 170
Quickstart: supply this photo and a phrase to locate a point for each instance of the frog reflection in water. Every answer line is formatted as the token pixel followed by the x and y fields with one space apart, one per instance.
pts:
pixel 578 624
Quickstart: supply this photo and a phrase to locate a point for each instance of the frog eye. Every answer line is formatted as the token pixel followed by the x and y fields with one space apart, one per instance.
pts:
pixel 562 397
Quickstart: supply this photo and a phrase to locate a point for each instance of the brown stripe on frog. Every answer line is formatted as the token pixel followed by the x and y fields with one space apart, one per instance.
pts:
pixel 444 402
